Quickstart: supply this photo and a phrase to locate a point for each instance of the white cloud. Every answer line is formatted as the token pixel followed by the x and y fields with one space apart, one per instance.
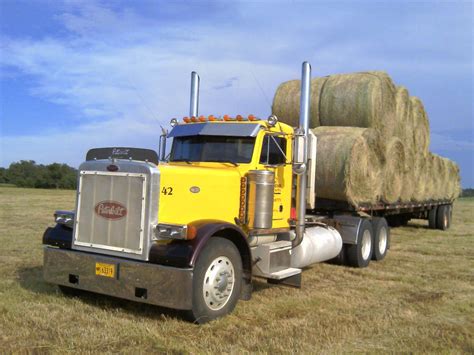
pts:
pixel 124 72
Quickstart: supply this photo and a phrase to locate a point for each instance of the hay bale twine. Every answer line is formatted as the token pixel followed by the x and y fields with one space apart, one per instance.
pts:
pixel 348 164
pixel 421 128
pixel 364 99
pixel 286 102
pixel 393 171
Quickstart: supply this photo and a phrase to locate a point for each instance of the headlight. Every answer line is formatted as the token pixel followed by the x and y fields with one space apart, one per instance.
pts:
pixel 175 231
pixel 65 218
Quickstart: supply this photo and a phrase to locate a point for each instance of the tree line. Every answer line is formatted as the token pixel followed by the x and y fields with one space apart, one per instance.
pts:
pixel 467 193
pixel 27 173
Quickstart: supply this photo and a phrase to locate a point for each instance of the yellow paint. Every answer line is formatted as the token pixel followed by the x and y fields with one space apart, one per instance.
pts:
pixel 219 185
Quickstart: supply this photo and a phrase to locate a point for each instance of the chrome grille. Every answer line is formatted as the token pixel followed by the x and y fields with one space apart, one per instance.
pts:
pixel 111 211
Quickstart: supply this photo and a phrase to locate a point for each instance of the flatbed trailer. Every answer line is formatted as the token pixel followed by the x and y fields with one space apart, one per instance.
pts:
pixel 397 214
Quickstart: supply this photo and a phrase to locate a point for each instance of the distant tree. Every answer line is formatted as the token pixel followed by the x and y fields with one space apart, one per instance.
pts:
pixel 3 176
pixel 467 193
pixel 26 173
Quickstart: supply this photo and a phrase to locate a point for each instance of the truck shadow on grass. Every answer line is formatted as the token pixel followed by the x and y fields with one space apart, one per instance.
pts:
pixel 31 279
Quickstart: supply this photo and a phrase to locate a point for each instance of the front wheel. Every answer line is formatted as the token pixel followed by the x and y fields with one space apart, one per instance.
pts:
pixel 217 280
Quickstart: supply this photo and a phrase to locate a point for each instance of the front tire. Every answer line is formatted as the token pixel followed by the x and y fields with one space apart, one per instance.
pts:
pixel 359 255
pixel 381 238
pixel 217 280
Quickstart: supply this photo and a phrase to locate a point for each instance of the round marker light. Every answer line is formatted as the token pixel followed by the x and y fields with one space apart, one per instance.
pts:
pixel 272 120
pixel 173 122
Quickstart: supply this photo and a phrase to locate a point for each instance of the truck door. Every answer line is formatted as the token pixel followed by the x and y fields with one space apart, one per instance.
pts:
pixel 274 156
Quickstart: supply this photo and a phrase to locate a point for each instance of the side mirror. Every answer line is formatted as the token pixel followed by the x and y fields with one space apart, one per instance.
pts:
pixel 162 144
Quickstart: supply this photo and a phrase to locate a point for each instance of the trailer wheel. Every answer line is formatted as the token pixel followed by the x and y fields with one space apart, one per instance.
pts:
pixel 432 217
pixel 381 238
pixel 359 255
pixel 450 215
pixel 217 280
pixel 442 217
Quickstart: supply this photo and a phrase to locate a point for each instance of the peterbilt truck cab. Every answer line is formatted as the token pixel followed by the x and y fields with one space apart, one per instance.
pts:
pixel 190 229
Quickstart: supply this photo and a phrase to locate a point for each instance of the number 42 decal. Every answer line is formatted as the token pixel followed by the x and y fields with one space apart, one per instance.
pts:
pixel 167 190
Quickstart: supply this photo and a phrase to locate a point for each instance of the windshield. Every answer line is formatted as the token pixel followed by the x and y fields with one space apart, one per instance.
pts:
pixel 212 149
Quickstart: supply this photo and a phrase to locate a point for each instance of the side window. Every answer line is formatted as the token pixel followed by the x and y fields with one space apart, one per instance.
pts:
pixel 273 150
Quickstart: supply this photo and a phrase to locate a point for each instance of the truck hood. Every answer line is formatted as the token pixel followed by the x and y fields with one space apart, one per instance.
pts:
pixel 191 193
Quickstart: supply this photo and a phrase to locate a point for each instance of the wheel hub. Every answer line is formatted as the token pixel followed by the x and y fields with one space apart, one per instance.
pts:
pixel 218 283
pixel 366 244
pixel 382 240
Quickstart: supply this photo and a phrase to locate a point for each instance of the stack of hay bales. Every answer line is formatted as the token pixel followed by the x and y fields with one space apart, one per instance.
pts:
pixel 373 140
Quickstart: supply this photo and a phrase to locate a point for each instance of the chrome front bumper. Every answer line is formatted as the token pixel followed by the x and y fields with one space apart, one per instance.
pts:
pixel 137 281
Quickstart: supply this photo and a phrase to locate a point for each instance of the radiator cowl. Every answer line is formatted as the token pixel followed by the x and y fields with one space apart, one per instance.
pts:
pixel 116 211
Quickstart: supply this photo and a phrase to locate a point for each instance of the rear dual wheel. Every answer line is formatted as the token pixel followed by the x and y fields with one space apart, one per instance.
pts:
pixel 359 255
pixel 381 238
pixel 373 241
pixel 443 217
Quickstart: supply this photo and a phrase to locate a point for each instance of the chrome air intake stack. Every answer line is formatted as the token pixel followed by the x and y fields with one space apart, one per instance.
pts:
pixel 314 244
pixel 301 166
pixel 194 102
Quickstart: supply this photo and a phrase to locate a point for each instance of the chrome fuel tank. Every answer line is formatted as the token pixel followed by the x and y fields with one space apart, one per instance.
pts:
pixel 260 187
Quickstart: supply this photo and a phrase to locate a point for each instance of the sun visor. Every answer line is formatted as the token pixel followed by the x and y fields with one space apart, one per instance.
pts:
pixel 213 129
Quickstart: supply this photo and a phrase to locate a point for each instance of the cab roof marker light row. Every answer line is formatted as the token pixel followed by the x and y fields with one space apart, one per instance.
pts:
pixel 212 118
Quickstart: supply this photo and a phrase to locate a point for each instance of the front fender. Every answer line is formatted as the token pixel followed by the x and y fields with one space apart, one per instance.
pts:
pixel 59 236
pixel 184 253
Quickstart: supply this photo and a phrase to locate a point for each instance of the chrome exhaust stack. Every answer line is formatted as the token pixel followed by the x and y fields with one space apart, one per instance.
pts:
pixel 194 102
pixel 301 153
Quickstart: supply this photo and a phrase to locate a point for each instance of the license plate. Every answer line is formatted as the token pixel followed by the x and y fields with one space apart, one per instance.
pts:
pixel 103 269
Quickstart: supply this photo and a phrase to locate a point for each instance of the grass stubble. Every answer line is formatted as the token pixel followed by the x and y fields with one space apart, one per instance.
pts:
pixel 419 299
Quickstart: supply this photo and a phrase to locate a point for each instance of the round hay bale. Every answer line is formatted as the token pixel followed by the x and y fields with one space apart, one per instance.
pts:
pixel 403 129
pixel 286 102
pixel 436 173
pixel 419 177
pixel 454 180
pixel 348 164
pixel 421 128
pixel 408 188
pixel 393 171
pixel 445 184
pixel 429 180
pixel 359 100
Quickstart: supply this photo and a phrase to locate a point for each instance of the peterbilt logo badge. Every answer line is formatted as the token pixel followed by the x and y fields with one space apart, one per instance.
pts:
pixel 112 210
pixel 118 151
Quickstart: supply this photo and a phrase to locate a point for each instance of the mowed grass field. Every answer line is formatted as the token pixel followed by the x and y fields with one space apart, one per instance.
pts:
pixel 419 299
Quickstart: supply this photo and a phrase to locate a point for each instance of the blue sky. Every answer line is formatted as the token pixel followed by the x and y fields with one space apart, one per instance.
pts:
pixel 79 74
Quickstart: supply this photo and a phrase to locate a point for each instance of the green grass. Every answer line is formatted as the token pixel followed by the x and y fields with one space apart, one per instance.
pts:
pixel 419 299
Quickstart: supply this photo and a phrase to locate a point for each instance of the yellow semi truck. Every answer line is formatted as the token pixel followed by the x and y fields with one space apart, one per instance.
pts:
pixel 233 200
